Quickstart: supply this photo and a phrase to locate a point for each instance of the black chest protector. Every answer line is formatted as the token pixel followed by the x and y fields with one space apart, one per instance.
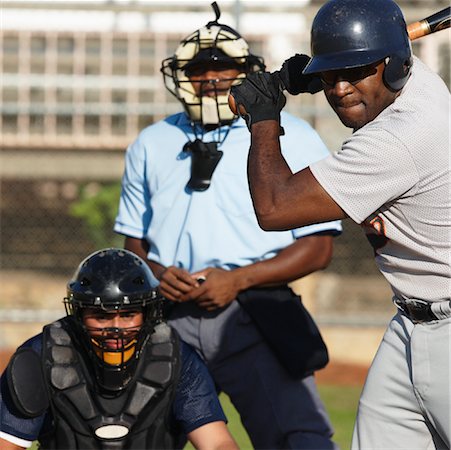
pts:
pixel 138 418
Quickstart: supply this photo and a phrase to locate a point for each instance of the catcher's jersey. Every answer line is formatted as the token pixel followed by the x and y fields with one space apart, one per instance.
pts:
pixel 393 177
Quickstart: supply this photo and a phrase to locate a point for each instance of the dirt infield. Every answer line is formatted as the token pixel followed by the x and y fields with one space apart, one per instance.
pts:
pixel 334 373
pixel 342 374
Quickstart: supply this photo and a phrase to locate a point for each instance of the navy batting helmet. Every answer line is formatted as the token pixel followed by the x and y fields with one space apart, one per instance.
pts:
pixel 355 33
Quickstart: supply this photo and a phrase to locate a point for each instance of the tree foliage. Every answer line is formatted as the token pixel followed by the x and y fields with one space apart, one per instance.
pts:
pixel 97 206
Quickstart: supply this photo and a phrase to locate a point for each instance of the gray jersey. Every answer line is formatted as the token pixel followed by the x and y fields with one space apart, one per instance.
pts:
pixel 393 177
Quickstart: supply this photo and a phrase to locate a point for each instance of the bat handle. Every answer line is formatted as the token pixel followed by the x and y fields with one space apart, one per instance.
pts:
pixel 418 29
pixel 233 107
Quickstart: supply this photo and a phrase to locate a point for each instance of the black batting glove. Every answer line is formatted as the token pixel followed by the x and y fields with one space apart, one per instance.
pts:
pixel 294 81
pixel 261 96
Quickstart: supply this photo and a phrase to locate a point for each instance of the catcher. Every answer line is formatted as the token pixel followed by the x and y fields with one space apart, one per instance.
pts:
pixel 111 374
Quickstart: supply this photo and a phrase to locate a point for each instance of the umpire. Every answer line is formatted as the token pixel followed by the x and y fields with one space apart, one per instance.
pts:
pixel 392 176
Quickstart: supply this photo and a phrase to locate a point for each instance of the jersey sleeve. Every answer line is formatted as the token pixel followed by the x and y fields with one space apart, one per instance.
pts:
pixel 302 146
pixel 196 401
pixel 372 168
pixel 13 427
pixel 134 213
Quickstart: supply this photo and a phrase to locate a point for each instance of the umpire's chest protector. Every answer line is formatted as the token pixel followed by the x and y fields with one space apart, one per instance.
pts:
pixel 83 419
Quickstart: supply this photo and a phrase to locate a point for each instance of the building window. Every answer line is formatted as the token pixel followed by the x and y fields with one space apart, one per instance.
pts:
pixel 118 125
pixel 92 96
pixel 92 66
pixel 144 121
pixel 146 67
pixel 120 47
pixel 92 125
pixel 92 63
pixel 36 124
pixel 10 45
pixel 145 96
pixel 119 96
pixel 37 95
pixel 9 123
pixel 10 63
pixel 10 94
pixel 10 54
pixel 93 46
pixel 65 64
pixel 146 48
pixel 172 45
pixel 38 47
pixel 64 95
pixel 65 46
pixel 64 124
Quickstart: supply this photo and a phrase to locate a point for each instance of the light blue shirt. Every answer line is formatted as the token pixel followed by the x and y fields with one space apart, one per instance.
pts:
pixel 216 227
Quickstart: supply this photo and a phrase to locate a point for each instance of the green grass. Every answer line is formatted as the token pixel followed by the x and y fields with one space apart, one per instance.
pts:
pixel 341 404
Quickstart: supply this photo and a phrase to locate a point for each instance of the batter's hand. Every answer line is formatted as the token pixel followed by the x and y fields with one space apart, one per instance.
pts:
pixel 261 97
pixel 294 81
pixel 175 283
pixel 218 290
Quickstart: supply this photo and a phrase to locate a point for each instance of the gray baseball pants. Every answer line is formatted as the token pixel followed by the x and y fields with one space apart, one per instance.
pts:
pixel 278 411
pixel 405 402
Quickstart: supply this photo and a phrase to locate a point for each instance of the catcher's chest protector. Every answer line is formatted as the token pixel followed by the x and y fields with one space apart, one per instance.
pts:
pixel 84 419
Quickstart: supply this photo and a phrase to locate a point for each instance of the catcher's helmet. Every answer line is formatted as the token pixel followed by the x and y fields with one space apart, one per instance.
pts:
pixel 355 33
pixel 214 42
pixel 112 280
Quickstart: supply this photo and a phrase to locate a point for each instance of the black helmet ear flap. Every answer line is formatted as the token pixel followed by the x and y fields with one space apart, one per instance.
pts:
pixel 397 71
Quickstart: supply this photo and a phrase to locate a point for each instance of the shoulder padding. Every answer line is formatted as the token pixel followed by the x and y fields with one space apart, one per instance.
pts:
pixel 26 383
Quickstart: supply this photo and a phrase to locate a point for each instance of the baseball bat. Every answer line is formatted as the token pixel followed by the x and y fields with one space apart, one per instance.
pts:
pixel 436 22
pixel 431 24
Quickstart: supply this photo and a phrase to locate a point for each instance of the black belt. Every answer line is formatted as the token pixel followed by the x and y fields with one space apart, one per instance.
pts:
pixel 417 312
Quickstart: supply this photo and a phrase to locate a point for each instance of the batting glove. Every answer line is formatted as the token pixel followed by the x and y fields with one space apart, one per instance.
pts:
pixel 261 96
pixel 294 81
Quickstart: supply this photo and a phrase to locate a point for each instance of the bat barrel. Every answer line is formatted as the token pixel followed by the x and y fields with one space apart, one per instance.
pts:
pixel 435 22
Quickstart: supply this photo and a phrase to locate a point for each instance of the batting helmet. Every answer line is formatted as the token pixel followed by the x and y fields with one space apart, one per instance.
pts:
pixel 355 33
pixel 112 280
pixel 214 42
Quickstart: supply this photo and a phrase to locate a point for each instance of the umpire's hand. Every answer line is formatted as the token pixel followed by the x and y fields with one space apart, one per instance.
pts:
pixel 260 96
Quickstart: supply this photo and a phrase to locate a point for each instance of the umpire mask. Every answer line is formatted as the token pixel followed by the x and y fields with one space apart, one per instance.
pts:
pixel 212 45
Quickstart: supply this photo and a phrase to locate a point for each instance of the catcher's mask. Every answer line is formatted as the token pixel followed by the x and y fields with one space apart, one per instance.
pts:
pixel 213 44
pixel 354 33
pixel 115 307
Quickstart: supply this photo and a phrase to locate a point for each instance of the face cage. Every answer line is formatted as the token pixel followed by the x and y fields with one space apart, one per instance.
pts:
pixel 113 346
pixel 115 377
pixel 205 111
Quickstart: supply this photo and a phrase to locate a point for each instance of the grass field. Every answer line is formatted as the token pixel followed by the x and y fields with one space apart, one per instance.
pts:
pixel 341 404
